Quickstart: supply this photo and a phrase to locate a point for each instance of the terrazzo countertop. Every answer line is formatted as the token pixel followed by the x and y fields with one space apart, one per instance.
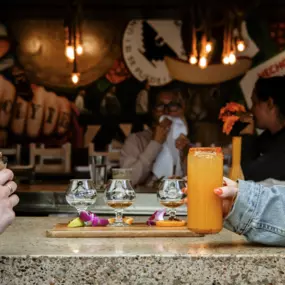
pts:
pixel 28 257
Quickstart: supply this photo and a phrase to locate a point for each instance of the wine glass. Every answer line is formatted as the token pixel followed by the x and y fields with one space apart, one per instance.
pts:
pixel 81 194
pixel 119 194
pixel 171 195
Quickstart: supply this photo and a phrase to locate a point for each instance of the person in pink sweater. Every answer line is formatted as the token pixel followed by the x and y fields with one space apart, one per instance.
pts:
pixel 141 149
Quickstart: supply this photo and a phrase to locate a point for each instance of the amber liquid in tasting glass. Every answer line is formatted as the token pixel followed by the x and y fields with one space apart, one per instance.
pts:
pixel 119 205
pixel 205 173
pixel 172 204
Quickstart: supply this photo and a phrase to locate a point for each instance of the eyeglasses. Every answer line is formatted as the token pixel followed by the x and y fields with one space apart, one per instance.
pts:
pixel 171 107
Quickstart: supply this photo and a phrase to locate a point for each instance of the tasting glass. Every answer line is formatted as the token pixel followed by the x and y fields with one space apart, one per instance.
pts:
pixel 81 194
pixel 171 194
pixel 119 194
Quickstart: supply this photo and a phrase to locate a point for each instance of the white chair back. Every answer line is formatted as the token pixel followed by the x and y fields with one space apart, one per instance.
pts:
pixel 62 154
pixel 112 156
pixel 15 152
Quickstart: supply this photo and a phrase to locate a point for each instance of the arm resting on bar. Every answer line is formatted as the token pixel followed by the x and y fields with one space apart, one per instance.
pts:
pixel 258 213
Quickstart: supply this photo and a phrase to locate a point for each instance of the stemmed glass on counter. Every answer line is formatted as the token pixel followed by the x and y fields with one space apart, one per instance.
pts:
pixel 171 195
pixel 81 194
pixel 119 194
pixel 98 171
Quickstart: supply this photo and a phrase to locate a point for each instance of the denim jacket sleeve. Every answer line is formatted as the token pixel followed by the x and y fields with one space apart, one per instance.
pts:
pixel 259 213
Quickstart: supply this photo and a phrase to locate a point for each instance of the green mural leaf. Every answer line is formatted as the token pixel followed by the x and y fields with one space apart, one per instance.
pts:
pixel 103 84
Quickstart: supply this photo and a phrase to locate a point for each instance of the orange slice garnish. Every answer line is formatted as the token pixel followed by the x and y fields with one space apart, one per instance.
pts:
pixel 168 223
pixel 127 220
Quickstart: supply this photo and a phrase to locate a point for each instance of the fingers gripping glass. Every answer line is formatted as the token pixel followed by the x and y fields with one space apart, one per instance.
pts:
pixel 171 107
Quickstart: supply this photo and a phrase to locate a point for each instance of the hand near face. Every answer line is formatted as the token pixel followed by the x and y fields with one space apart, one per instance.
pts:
pixel 8 200
pixel 249 129
pixel 182 142
pixel 166 123
pixel 161 131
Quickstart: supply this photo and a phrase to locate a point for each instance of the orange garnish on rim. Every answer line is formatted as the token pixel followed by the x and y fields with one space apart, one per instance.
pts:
pixel 204 149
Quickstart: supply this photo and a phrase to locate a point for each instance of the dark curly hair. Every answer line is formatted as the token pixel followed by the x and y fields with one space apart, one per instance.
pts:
pixel 273 87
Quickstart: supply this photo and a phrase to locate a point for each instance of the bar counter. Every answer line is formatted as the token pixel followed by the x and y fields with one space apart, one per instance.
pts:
pixel 44 199
pixel 29 257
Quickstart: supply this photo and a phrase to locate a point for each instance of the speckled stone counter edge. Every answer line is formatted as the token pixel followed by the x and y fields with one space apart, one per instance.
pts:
pixel 154 270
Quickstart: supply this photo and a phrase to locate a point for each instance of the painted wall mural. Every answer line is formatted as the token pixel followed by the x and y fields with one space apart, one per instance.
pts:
pixel 6 57
pixel 37 97
pixel 146 43
pixel 30 113
pixel 41 45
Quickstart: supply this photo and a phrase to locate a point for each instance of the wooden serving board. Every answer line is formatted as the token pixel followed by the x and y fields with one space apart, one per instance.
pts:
pixel 134 230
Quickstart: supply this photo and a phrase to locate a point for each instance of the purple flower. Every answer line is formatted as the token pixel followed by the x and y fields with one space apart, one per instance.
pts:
pixel 91 219
pixel 86 217
pixel 97 222
pixel 150 223
pixel 156 216
pixel 103 222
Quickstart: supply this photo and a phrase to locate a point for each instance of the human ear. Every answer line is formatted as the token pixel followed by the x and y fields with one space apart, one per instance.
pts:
pixel 270 103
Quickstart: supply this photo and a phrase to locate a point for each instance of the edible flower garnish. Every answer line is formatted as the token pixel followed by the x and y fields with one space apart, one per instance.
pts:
pixel 126 220
pixel 156 216
pixel 87 217
pixel 91 219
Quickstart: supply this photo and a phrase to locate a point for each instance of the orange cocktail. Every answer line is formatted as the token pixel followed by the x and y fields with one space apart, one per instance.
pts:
pixel 205 173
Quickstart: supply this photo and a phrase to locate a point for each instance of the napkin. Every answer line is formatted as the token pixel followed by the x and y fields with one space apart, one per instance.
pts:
pixel 169 156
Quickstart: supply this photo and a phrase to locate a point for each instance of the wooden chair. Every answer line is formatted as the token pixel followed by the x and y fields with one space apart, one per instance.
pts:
pixel 126 129
pixel 112 156
pixel 115 146
pixel 90 133
pixel 14 152
pixel 49 155
pixel 21 171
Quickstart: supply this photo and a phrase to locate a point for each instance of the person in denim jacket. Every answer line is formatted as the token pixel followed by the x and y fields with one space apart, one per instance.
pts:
pixel 254 210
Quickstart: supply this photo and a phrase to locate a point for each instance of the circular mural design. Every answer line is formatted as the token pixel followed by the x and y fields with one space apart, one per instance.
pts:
pixel 146 43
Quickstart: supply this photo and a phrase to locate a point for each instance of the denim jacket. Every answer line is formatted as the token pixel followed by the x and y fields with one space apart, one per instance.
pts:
pixel 259 213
